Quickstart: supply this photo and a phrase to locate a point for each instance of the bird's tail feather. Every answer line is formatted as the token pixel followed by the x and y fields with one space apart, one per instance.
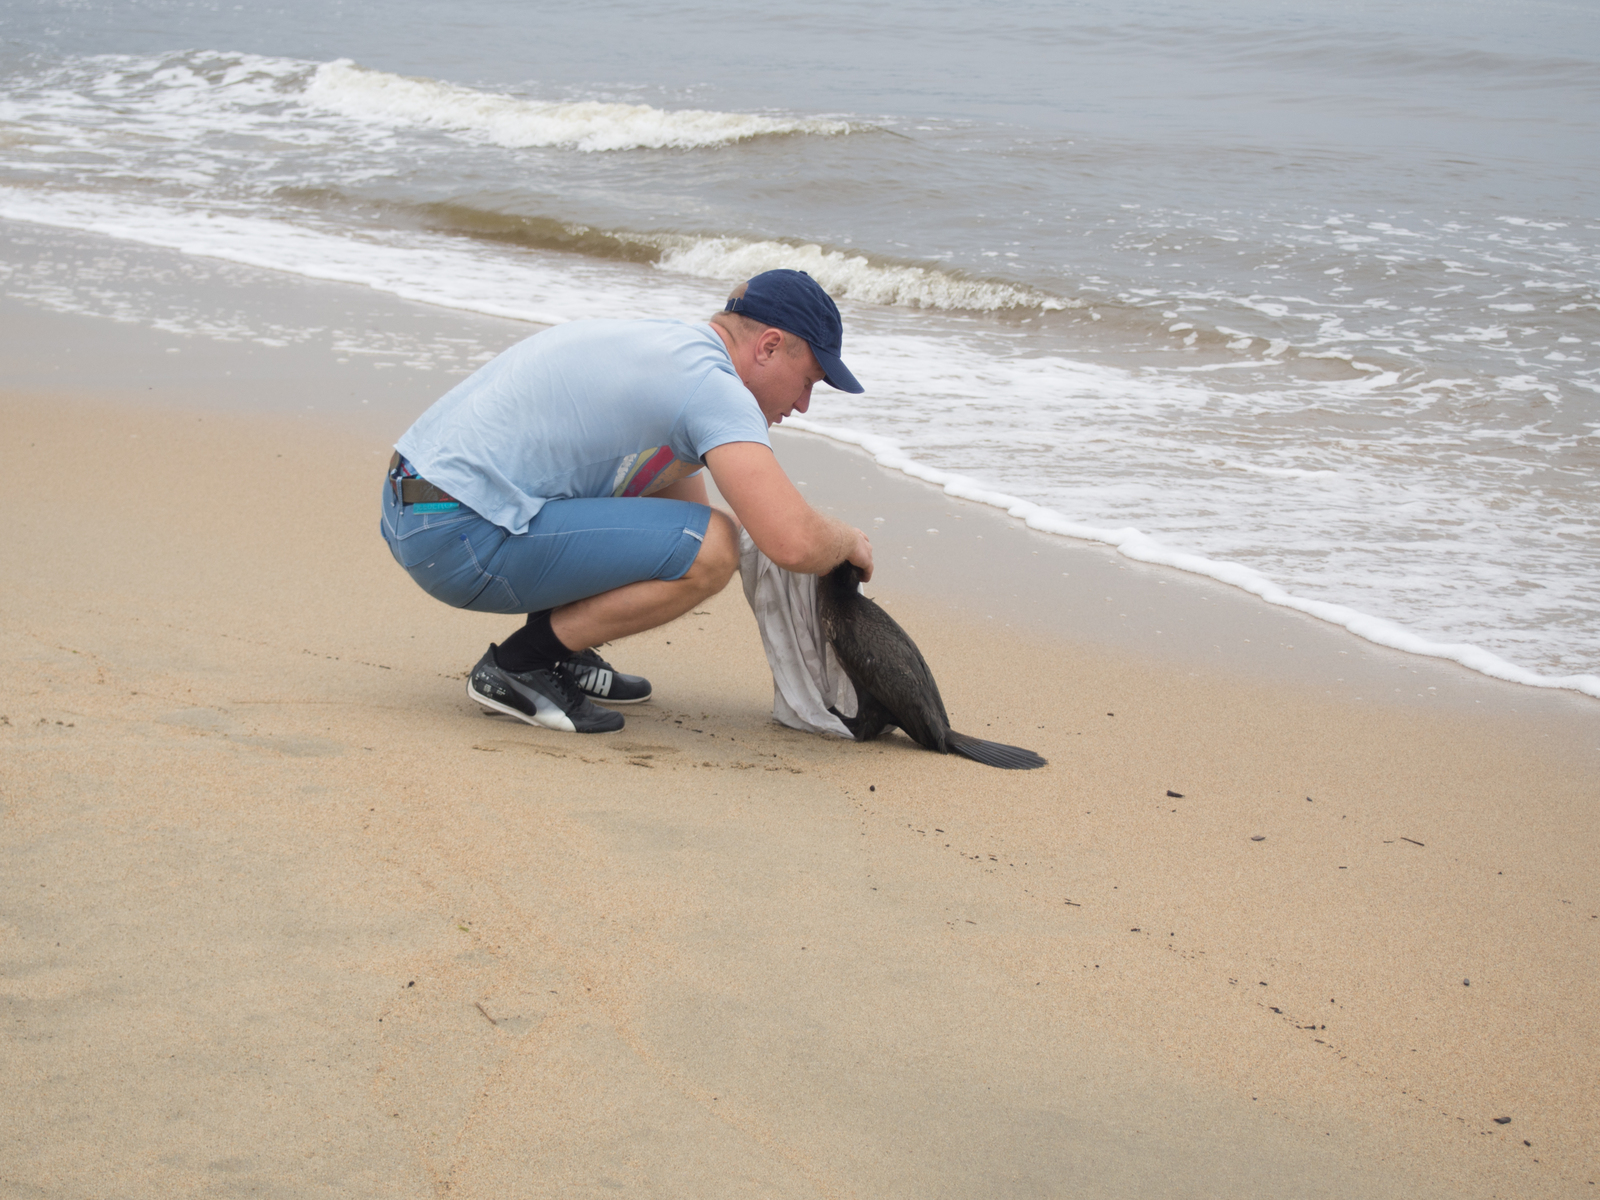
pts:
pixel 993 754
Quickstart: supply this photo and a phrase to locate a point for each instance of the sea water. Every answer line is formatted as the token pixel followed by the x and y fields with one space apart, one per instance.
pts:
pixel 1303 296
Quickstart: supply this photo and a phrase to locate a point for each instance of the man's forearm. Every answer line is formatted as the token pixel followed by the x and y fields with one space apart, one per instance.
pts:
pixel 827 543
pixel 789 531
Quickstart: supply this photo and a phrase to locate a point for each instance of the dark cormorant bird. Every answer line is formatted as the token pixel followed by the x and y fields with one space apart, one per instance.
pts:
pixel 893 684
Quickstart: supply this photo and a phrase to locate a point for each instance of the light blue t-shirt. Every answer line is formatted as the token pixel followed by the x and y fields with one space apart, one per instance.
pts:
pixel 591 408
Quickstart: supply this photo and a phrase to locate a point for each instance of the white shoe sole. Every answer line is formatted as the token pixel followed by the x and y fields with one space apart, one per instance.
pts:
pixel 556 719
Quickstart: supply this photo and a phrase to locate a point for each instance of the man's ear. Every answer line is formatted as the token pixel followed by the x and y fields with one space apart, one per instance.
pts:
pixel 769 343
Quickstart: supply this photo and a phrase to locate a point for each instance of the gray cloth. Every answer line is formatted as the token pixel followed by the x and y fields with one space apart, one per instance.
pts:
pixel 806 677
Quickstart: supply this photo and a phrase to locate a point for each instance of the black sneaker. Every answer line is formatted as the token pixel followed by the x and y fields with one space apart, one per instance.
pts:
pixel 550 698
pixel 599 680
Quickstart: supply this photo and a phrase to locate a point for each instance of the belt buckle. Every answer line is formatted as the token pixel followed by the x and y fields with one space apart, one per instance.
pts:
pixel 396 466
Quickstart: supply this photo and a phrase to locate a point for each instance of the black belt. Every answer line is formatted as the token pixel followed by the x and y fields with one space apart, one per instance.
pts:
pixel 415 490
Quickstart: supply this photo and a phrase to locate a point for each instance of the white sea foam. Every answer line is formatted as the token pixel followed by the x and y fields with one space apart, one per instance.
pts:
pixel 1134 544
pixel 513 122
pixel 430 268
pixel 336 126
pixel 854 276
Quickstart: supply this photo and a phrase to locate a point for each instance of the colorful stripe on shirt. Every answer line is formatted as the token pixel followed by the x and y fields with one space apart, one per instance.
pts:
pixel 648 464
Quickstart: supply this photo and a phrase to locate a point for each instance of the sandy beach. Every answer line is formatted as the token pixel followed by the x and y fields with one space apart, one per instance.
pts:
pixel 283 913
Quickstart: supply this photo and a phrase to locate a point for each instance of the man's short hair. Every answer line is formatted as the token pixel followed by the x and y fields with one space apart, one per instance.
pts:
pixel 743 327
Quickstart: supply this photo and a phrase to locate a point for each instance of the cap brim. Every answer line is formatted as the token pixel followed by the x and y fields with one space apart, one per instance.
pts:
pixel 835 374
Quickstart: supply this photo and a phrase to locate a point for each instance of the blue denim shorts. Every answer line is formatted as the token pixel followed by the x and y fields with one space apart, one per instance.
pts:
pixel 573 549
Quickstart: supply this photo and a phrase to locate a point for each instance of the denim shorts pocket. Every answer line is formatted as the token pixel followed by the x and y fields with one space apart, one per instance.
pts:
pixel 402 527
pixel 443 552
pixel 443 566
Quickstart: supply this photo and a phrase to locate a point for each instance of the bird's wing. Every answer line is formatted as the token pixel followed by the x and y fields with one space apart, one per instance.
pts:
pixel 881 658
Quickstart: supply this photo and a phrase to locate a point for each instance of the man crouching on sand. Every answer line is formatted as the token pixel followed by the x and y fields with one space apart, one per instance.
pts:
pixel 561 480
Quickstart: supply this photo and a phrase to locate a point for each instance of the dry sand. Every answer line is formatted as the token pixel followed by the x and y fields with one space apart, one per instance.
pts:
pixel 283 913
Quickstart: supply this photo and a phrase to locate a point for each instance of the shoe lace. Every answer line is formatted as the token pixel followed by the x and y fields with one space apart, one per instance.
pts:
pixel 565 683
pixel 590 659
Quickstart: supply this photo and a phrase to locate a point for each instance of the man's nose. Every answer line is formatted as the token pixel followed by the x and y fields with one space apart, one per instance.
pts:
pixel 805 401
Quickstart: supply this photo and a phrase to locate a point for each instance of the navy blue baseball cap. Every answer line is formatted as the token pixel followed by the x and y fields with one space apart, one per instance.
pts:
pixel 795 303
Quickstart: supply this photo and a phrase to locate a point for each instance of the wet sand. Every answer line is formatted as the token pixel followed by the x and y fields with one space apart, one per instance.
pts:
pixel 281 911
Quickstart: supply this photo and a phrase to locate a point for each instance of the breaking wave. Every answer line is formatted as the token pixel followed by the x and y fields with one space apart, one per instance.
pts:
pixel 851 275
pixel 345 88
pixel 855 277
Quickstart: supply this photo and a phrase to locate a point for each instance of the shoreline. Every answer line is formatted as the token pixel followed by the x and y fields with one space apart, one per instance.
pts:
pixel 1084 592
pixel 1144 609
pixel 445 342
pixel 261 853
pixel 1140 547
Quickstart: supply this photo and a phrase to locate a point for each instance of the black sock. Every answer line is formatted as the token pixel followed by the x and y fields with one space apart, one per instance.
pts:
pixel 532 647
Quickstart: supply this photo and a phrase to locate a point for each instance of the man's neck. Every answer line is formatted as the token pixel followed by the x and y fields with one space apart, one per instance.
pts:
pixel 727 338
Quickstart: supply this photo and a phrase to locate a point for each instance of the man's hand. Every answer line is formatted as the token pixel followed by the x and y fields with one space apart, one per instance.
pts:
pixel 787 529
pixel 861 555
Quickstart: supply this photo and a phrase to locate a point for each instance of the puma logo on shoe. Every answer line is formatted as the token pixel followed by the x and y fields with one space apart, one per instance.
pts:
pixel 594 680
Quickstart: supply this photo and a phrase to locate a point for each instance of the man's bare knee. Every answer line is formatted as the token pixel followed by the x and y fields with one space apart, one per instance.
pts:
pixel 719 554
